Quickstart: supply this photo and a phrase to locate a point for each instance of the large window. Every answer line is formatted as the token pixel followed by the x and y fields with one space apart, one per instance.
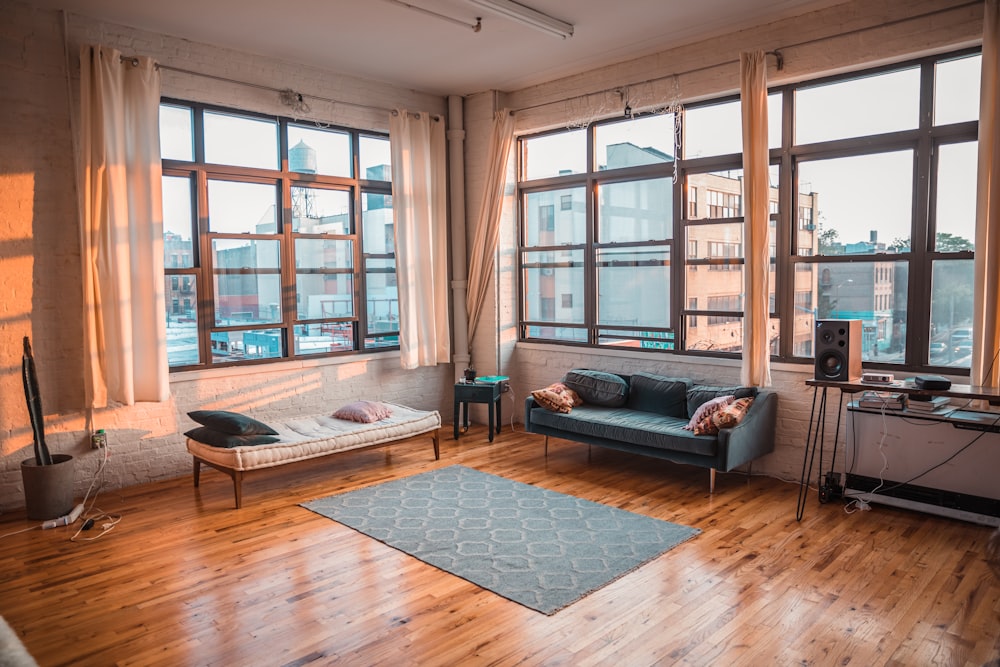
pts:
pixel 872 207
pixel 274 247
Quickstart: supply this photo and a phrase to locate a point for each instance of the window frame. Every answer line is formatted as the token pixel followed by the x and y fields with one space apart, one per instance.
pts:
pixel 200 278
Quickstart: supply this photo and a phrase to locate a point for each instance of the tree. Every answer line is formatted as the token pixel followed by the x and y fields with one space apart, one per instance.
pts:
pixel 829 242
pixel 951 243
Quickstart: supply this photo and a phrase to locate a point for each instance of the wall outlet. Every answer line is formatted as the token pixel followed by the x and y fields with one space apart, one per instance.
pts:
pixel 505 386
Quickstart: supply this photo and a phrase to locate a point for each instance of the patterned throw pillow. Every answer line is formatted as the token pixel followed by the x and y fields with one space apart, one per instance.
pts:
pixel 557 397
pixel 706 410
pixel 732 414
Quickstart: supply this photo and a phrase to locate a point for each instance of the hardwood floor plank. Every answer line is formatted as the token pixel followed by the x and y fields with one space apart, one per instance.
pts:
pixel 185 579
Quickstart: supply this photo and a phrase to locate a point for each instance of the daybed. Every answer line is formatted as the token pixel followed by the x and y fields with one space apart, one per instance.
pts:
pixel 299 439
pixel 647 414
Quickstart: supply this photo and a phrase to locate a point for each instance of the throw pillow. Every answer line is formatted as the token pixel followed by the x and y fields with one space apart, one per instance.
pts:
pixel 557 397
pixel 598 387
pixel 700 393
pixel 210 436
pixel 732 414
pixel 365 412
pixel 233 423
pixel 658 394
pixel 707 409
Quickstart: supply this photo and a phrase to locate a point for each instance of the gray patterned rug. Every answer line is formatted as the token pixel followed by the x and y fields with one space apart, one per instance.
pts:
pixel 540 548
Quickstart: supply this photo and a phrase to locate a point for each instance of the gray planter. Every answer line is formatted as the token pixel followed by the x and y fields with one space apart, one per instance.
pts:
pixel 48 490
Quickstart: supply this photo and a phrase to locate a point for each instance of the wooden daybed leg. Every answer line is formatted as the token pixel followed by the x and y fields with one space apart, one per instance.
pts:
pixel 711 480
pixel 197 471
pixel 238 487
pixel 437 444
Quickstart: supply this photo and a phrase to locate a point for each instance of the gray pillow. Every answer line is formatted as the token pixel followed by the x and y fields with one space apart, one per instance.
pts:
pixel 598 387
pixel 215 438
pixel 233 423
pixel 700 393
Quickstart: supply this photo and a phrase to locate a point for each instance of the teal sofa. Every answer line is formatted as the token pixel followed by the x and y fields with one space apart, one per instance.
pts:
pixel 646 414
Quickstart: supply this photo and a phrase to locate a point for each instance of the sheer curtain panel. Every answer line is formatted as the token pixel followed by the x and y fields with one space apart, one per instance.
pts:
pixel 756 366
pixel 419 196
pixel 986 327
pixel 121 229
pixel 484 245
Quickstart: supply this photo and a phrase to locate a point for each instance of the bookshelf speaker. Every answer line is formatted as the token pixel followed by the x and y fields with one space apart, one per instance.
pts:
pixel 838 350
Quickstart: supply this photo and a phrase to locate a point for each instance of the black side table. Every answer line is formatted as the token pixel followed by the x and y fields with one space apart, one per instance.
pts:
pixel 478 392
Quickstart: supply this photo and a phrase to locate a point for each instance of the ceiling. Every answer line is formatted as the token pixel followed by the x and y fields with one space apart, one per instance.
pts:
pixel 395 42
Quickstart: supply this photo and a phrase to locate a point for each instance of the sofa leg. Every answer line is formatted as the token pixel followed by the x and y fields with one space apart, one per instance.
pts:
pixel 749 470
pixel 546 446
pixel 711 480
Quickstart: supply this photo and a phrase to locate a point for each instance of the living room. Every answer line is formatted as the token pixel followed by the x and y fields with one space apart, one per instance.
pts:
pixel 150 467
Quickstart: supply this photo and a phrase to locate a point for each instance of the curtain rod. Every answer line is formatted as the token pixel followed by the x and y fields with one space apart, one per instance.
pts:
pixel 776 52
pixel 134 61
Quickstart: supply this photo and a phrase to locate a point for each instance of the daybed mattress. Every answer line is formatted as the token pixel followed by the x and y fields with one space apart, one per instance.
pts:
pixel 309 437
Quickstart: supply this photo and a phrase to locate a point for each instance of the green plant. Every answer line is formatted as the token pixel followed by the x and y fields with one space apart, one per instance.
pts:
pixel 34 400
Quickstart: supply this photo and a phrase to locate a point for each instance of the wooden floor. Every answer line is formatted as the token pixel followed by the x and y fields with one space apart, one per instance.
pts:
pixel 185 579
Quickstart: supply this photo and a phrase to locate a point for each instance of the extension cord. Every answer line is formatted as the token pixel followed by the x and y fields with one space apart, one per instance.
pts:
pixel 66 519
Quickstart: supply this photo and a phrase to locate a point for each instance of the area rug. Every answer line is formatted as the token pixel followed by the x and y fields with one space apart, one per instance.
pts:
pixel 537 547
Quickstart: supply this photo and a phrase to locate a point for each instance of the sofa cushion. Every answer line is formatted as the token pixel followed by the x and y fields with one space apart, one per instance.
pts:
pixel 700 393
pixel 659 394
pixel 598 387
pixel 630 427
pixel 557 397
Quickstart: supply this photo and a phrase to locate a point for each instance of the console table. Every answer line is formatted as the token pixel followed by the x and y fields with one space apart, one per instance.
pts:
pixel 815 436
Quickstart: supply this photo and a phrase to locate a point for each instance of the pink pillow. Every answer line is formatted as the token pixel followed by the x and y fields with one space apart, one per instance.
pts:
pixel 363 411
pixel 706 409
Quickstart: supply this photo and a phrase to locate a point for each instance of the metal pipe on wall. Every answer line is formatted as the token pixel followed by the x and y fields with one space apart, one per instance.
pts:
pixel 459 264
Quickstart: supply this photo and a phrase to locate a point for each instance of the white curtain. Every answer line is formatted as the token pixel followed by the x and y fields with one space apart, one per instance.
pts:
pixel 756 366
pixel 986 329
pixel 481 261
pixel 419 207
pixel 121 229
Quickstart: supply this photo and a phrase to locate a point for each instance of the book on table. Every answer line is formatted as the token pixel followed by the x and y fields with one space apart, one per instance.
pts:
pixel 927 403
pixel 882 400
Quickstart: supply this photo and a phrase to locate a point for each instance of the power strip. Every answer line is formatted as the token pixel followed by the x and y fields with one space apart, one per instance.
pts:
pixel 65 520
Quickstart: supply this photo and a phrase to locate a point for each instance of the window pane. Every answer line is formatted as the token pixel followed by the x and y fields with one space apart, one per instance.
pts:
pixel 319 253
pixel 314 151
pixel 951 313
pixel 323 293
pixel 860 107
pixel 323 338
pixel 318 211
pixel 382 295
pixel 554 155
pixel 243 298
pixel 242 208
pixel 956 90
pixel 182 320
pixel 375 158
pixel 634 142
pixel 719 195
pixel 376 223
pixel 547 277
pixel 863 203
pixel 246 254
pixel 633 286
pixel 548 222
pixel 176 133
pixel 240 141
pixel 636 211
pixel 873 292
pixel 956 197
pixel 228 346
pixel 178 220
pixel 713 130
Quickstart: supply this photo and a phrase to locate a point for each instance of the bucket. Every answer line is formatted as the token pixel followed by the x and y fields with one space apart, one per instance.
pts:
pixel 48 490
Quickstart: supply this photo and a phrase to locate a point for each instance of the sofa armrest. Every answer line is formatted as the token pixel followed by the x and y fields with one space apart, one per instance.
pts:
pixel 529 404
pixel 754 436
